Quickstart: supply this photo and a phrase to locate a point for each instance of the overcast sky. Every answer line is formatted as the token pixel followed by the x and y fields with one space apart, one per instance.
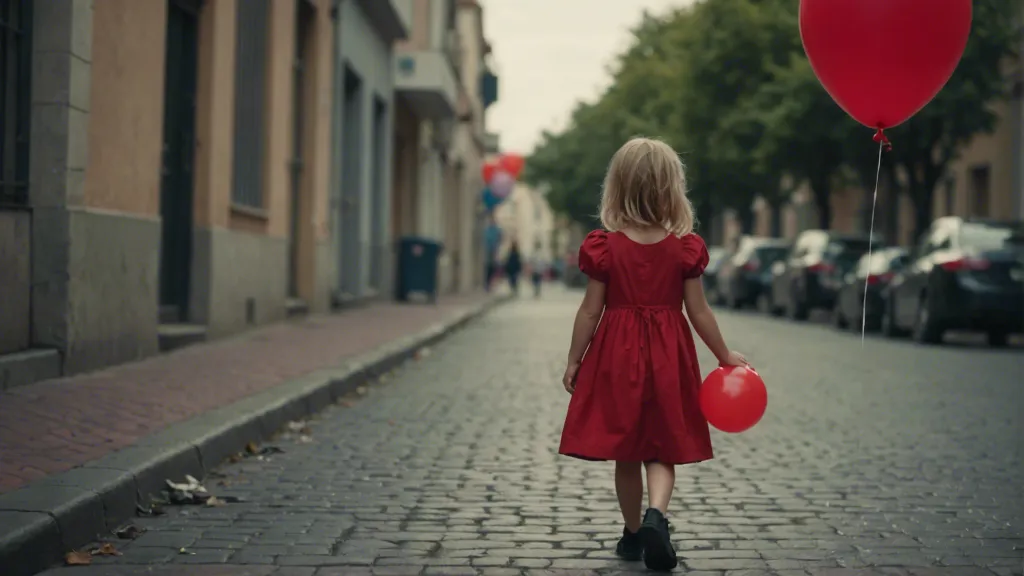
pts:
pixel 550 54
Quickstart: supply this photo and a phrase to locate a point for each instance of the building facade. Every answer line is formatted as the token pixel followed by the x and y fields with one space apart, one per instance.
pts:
pixel 440 130
pixel 363 154
pixel 177 170
pixel 526 219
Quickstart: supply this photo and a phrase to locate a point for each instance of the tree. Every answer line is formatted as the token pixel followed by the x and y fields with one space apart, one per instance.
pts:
pixel 572 163
pixel 804 130
pixel 924 147
pixel 729 54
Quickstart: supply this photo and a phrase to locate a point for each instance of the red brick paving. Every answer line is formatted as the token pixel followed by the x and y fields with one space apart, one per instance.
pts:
pixel 53 426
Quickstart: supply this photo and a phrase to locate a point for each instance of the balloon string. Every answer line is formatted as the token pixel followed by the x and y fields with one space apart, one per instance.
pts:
pixel 883 144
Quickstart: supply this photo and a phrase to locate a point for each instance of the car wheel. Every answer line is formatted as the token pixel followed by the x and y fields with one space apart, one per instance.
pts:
pixel 795 308
pixel 838 319
pixel 998 339
pixel 889 326
pixel 926 329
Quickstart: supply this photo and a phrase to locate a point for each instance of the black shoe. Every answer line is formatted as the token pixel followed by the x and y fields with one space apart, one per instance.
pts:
pixel 630 547
pixel 658 552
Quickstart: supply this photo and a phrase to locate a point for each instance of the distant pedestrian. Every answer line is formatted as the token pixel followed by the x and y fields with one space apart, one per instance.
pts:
pixel 538 269
pixel 632 368
pixel 492 240
pixel 514 266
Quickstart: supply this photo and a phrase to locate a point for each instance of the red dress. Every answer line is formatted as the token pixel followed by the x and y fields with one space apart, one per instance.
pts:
pixel 636 389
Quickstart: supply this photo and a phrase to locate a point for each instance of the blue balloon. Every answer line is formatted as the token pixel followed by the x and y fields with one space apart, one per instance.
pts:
pixel 491 201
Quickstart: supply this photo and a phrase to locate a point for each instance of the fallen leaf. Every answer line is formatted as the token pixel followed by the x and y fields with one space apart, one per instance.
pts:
pixel 346 404
pixel 296 426
pixel 306 431
pixel 78 559
pixel 252 448
pixel 391 422
pixel 215 502
pixel 305 439
pixel 106 549
pixel 361 390
pixel 186 552
pixel 129 532
pixel 235 458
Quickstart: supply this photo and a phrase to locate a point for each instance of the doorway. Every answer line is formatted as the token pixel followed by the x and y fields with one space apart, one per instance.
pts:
pixel 176 185
pixel 299 204
pixel 378 228
pixel 350 250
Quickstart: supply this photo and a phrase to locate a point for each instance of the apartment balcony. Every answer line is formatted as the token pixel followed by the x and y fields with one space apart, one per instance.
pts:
pixel 388 17
pixel 426 80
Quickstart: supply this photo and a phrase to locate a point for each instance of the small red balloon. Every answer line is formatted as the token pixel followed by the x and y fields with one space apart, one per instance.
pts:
pixel 733 398
pixel 513 164
pixel 489 169
pixel 884 60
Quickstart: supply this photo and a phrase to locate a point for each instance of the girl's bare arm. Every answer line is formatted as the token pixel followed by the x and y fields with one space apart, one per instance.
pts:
pixel 587 318
pixel 703 319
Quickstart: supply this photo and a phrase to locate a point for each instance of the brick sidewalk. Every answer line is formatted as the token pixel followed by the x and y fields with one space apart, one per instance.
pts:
pixel 53 426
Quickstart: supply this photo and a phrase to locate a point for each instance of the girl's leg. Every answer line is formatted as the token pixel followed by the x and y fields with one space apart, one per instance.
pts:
pixel 658 551
pixel 661 478
pixel 629 487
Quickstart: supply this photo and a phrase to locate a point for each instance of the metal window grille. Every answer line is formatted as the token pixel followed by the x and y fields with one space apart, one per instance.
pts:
pixel 15 66
pixel 250 97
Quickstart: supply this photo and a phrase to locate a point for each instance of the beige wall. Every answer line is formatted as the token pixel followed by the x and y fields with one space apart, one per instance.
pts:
pixel 126 116
pixel 214 113
pixel 419 34
pixel 994 151
pixel 215 130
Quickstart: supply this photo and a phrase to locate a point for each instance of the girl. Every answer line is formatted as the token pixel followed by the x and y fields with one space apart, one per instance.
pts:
pixel 634 393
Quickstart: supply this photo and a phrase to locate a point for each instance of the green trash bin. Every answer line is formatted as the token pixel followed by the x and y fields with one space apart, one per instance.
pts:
pixel 418 261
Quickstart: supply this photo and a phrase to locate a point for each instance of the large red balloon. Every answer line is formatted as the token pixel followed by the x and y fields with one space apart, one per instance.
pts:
pixel 733 398
pixel 884 60
pixel 513 164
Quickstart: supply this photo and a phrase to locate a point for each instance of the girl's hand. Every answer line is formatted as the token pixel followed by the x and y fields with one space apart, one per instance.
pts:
pixel 569 379
pixel 735 359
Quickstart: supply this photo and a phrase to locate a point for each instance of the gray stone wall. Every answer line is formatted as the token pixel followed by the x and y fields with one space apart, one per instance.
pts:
pixel 239 280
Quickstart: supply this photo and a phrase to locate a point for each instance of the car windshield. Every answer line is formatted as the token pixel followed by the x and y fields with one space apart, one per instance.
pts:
pixel 991 236
pixel 845 253
pixel 771 254
pixel 885 261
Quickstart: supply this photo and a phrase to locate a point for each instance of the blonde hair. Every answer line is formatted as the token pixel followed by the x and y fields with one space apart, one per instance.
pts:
pixel 645 186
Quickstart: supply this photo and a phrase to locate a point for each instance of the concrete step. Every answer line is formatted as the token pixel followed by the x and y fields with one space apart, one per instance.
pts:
pixel 28 367
pixel 174 336
pixel 169 315
pixel 296 307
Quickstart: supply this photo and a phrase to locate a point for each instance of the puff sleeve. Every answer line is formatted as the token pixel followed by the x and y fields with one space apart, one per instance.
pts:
pixel 695 256
pixel 594 256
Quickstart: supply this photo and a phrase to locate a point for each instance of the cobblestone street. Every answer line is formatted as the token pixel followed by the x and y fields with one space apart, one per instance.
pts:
pixel 891 458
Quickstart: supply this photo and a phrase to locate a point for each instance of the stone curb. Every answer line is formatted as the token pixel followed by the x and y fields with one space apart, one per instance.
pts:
pixel 40 522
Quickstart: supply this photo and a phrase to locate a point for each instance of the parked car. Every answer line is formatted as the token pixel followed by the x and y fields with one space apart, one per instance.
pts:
pixel 717 255
pixel 746 275
pixel 872 274
pixel 810 276
pixel 964 275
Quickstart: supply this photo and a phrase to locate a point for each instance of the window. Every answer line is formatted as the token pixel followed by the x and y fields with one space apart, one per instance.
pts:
pixel 250 96
pixel 980 191
pixel 15 64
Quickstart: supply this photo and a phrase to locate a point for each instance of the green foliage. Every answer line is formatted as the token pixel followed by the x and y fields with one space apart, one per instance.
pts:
pixel 726 82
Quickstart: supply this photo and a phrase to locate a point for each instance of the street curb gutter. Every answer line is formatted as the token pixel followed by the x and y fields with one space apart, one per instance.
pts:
pixel 40 522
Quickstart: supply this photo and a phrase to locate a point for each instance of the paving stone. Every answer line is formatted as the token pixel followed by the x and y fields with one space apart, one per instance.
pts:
pixel 884 460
